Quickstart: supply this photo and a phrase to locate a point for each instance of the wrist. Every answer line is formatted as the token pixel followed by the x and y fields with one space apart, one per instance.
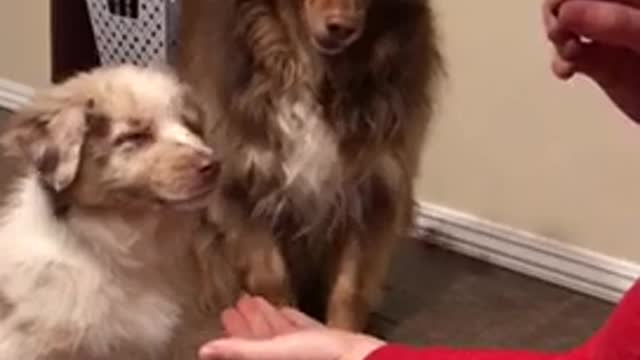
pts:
pixel 362 346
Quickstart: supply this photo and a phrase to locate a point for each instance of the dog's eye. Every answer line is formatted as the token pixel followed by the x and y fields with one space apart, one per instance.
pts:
pixel 133 139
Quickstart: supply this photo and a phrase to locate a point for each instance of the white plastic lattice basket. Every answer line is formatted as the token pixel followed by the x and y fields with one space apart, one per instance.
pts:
pixel 141 32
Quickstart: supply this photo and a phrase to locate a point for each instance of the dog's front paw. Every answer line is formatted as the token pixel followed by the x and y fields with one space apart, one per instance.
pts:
pixel 347 311
pixel 267 276
pixel 273 289
pixel 346 321
pixel 220 284
pixel 217 293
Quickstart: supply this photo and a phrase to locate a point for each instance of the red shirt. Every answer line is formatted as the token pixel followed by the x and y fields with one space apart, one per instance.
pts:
pixel 397 352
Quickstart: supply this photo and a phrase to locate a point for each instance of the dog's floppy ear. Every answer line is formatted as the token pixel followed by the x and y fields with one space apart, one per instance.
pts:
pixel 50 141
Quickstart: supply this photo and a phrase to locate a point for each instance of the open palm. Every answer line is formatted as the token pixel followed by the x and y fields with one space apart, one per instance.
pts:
pixel 259 331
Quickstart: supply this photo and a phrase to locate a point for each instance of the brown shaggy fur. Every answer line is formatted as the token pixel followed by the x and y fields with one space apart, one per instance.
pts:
pixel 323 147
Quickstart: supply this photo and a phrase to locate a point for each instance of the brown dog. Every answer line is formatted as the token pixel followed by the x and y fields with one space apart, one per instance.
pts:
pixel 321 107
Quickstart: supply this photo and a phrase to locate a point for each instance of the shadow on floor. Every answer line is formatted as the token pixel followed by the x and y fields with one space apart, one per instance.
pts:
pixel 436 297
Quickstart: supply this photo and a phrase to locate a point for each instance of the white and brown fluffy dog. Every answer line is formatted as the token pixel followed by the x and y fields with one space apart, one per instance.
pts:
pixel 97 239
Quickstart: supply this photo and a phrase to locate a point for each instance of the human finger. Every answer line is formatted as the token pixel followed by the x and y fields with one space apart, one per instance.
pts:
pixel 299 319
pixel 259 327
pixel 607 22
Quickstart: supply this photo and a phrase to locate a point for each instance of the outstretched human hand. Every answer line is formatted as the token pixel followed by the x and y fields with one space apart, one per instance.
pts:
pixel 259 331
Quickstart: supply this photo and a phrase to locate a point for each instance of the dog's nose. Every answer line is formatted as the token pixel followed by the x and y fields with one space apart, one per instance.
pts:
pixel 340 28
pixel 209 168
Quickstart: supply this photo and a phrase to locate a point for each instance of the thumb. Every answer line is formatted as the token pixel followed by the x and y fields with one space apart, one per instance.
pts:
pixel 305 345
pixel 240 349
pixel 611 23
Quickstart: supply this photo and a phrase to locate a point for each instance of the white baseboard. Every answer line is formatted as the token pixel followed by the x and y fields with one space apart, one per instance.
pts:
pixel 14 95
pixel 565 265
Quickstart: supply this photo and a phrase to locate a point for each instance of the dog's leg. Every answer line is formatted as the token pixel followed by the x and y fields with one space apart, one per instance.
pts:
pixel 346 307
pixel 266 273
pixel 219 282
pixel 358 281
pixel 267 277
pixel 363 262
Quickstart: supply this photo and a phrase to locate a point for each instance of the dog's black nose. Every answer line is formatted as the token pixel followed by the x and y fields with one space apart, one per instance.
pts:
pixel 340 29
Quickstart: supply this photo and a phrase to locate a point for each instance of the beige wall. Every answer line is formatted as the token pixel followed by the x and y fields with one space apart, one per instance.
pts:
pixel 24 41
pixel 516 146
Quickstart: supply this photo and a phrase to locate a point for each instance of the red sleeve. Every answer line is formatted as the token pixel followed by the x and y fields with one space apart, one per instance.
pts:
pixel 619 339
pixel 398 352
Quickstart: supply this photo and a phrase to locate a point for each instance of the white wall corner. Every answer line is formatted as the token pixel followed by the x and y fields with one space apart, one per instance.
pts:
pixel 559 263
pixel 14 95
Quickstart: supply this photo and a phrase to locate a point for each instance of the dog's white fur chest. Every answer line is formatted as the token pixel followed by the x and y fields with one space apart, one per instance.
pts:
pixel 61 297
pixel 311 163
